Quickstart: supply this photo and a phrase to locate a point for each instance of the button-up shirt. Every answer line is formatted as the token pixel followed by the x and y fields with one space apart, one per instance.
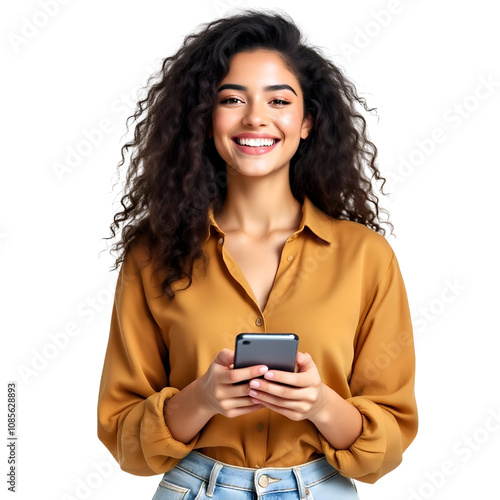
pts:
pixel 338 286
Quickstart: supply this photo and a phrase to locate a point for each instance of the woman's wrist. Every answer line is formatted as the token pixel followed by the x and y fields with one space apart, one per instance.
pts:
pixel 338 420
pixel 187 412
pixel 326 410
pixel 200 393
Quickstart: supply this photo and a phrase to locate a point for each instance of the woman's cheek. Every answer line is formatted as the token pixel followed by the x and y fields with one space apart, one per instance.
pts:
pixel 291 121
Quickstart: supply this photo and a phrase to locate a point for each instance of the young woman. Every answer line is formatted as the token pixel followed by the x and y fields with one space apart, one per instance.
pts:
pixel 249 207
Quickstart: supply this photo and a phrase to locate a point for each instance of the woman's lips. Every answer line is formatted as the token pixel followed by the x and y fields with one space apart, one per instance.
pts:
pixel 255 150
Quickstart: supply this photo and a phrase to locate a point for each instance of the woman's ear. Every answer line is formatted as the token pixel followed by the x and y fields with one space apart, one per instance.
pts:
pixel 307 123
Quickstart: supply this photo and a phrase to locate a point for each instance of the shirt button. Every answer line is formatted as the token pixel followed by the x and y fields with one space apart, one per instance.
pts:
pixel 290 257
pixel 221 241
pixel 258 321
pixel 260 427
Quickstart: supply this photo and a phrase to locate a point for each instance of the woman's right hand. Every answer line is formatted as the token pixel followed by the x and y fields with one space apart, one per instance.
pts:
pixel 218 392
pixel 187 412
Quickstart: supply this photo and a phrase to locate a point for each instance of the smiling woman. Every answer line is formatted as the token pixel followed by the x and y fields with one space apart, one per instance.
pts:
pixel 249 207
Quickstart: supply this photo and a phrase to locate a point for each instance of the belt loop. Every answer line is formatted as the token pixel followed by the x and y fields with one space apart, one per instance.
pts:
pixel 300 483
pixel 213 478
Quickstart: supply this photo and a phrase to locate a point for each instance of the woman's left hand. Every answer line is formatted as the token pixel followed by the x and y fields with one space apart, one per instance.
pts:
pixel 300 399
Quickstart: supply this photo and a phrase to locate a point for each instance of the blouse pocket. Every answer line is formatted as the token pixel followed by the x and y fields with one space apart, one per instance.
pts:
pixel 170 491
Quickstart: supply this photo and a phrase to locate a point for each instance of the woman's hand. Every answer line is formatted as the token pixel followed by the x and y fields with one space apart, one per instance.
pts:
pixel 217 392
pixel 303 396
pixel 187 412
pixel 308 398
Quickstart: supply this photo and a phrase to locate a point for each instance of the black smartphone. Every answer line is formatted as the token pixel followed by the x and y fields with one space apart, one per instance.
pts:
pixel 278 351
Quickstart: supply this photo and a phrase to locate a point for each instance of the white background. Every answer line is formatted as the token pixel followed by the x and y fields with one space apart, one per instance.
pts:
pixel 422 64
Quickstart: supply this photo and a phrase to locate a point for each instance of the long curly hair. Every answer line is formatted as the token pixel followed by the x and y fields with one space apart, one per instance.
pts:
pixel 175 173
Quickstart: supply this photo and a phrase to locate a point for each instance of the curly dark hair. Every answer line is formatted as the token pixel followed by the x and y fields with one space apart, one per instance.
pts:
pixel 176 174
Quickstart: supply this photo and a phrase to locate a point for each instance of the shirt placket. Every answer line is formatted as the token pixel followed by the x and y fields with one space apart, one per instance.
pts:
pixel 287 258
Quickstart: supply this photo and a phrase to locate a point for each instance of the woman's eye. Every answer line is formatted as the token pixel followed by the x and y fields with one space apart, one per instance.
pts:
pixel 280 102
pixel 230 100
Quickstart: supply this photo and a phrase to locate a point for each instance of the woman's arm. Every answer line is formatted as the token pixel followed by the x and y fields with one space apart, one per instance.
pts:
pixel 134 383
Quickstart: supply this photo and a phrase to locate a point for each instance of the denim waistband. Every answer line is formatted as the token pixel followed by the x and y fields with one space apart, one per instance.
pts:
pixel 265 479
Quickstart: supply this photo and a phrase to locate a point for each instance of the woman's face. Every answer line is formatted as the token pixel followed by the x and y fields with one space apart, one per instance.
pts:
pixel 258 120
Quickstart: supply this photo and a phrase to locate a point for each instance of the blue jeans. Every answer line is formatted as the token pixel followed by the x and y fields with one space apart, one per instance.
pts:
pixel 198 476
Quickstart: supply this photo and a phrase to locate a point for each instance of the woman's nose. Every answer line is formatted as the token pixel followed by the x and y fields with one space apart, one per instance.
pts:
pixel 256 114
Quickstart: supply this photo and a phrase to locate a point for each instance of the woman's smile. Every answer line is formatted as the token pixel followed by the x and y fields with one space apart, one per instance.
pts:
pixel 255 144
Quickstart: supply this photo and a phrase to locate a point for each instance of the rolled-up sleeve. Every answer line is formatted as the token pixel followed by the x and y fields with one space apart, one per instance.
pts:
pixel 135 384
pixel 381 384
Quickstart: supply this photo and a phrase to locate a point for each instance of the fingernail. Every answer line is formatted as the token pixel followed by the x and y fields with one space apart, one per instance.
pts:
pixel 254 384
pixel 269 375
pixel 253 393
pixel 263 369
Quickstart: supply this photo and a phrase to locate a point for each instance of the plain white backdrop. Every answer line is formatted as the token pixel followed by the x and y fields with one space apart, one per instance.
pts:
pixel 72 71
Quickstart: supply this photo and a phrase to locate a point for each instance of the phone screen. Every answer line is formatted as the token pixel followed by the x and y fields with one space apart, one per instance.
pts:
pixel 278 351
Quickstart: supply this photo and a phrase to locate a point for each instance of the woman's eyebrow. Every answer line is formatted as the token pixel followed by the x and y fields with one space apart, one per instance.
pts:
pixel 269 88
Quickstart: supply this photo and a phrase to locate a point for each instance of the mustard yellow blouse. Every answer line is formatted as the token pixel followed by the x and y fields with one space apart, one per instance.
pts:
pixel 338 287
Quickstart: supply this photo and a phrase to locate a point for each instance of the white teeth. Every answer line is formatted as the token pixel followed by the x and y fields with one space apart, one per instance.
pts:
pixel 255 142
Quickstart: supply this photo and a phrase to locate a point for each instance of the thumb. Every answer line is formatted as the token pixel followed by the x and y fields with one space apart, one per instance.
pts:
pixel 225 358
pixel 304 361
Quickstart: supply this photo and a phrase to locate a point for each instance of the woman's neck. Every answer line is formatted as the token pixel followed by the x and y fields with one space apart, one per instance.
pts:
pixel 258 206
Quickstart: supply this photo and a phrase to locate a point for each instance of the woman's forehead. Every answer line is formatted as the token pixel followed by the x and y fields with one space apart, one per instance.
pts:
pixel 263 66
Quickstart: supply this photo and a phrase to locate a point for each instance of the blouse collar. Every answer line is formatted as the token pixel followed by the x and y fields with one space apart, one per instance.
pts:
pixel 312 216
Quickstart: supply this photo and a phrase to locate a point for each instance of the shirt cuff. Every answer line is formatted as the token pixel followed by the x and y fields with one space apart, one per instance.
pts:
pixel 364 459
pixel 161 450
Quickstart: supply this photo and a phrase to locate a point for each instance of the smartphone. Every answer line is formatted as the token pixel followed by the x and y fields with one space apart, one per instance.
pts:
pixel 278 351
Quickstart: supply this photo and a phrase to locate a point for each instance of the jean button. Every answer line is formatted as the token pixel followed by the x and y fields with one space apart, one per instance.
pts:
pixel 264 481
